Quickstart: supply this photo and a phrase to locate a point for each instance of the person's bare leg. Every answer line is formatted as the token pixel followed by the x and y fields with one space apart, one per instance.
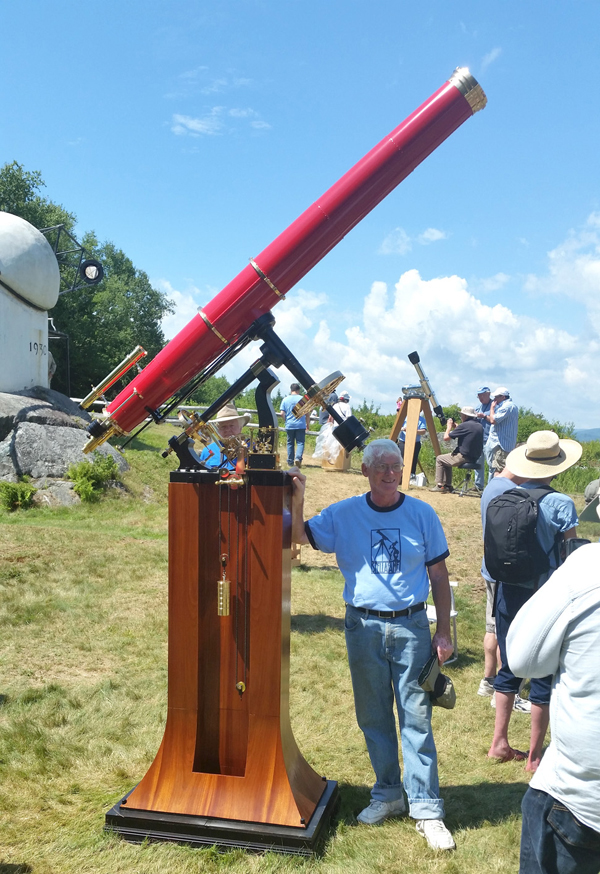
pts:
pixel 490 659
pixel 500 748
pixel 540 717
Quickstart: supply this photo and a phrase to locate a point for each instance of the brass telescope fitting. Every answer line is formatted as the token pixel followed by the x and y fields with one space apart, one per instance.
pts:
pixel 122 368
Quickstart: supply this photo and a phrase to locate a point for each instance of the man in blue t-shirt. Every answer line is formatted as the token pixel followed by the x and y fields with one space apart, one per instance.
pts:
pixel 390 548
pixel 294 428
pixel 537 462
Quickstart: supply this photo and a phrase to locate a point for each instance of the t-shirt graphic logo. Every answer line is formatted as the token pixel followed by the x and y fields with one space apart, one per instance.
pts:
pixel 385 551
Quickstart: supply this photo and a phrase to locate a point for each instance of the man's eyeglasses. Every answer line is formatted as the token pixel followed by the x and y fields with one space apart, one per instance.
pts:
pixel 380 467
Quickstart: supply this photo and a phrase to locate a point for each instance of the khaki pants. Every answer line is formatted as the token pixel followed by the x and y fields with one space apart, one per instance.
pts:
pixel 443 468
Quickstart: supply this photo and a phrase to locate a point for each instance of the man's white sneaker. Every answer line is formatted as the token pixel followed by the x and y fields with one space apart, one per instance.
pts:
pixel 521 705
pixel 378 811
pixel 486 689
pixel 436 834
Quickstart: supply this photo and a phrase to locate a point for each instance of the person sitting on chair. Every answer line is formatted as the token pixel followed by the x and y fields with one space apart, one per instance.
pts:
pixel 469 435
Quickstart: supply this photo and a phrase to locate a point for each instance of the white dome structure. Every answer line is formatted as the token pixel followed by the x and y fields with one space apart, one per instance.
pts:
pixel 29 287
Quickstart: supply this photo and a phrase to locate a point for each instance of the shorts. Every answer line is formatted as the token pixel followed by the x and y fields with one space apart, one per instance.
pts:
pixel 499 457
pixel 490 622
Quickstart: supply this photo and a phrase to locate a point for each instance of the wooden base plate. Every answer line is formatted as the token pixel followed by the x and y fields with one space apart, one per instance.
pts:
pixel 200 831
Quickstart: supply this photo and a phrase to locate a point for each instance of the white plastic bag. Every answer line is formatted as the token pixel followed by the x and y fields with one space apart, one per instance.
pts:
pixel 327 446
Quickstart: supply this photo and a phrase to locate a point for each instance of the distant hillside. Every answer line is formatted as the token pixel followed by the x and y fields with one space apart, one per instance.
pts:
pixel 584 434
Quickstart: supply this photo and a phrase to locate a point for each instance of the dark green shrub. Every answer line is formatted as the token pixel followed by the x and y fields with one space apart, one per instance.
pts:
pixel 92 478
pixel 16 496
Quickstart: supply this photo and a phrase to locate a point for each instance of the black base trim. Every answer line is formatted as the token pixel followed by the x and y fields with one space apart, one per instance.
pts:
pixel 201 831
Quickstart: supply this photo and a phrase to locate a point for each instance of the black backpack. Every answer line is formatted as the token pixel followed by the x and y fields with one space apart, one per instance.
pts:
pixel 512 551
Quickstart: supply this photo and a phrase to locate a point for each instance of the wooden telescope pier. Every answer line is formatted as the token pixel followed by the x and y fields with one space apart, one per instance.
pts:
pixel 228 771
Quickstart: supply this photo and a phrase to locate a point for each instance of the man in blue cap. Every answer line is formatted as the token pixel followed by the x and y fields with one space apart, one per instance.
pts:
pixel 482 410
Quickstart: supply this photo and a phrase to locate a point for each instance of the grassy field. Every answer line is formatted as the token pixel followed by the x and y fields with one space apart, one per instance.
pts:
pixel 83 619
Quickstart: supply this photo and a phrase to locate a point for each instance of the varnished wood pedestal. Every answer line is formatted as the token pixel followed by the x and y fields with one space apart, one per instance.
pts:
pixel 228 771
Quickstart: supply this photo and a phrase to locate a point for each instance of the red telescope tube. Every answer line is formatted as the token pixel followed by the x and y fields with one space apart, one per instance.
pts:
pixel 293 253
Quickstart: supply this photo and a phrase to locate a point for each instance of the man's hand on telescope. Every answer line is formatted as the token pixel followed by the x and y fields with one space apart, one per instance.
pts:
pixel 449 427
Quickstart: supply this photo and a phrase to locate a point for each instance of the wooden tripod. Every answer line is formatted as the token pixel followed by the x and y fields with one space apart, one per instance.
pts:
pixel 410 411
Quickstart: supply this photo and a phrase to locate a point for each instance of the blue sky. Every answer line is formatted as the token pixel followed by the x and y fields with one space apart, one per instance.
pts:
pixel 191 134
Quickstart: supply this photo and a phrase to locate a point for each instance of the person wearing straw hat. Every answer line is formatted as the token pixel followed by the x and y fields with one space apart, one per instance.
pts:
pixel 229 424
pixel 469 435
pixel 558 632
pixel 538 461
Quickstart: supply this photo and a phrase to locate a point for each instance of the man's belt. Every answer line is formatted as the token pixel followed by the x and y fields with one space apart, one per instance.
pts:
pixel 391 614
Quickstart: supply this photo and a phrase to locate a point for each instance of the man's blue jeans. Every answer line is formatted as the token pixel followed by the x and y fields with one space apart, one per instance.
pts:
pixel 553 841
pixel 480 472
pixel 386 657
pixel 295 438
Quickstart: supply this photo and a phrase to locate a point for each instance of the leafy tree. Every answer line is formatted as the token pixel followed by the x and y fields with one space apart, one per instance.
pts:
pixel 530 422
pixel 103 322
pixel 18 195
pixel 210 391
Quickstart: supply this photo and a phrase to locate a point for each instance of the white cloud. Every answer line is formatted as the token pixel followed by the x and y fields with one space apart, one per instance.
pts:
pixel 186 305
pixel 213 123
pixel 197 80
pixel 398 242
pixel 462 340
pixel 243 113
pixel 574 269
pixel 431 235
pixel 490 58
pixel 209 125
pixel 492 283
pixel 225 83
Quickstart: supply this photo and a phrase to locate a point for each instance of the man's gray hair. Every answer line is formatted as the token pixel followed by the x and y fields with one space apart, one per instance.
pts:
pixel 376 449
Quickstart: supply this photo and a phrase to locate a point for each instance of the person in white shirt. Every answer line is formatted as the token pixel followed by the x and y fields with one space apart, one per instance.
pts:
pixel 557 631
pixel 342 407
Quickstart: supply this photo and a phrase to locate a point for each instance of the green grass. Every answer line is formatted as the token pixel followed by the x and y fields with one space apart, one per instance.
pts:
pixel 83 642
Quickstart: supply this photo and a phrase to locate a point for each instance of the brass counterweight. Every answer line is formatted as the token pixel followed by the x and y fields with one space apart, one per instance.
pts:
pixel 223 590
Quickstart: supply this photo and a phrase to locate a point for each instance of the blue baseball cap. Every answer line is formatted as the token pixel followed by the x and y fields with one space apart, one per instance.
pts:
pixel 485 388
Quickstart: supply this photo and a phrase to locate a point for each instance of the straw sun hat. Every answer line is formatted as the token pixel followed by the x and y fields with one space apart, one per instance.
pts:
pixel 543 455
pixel 228 413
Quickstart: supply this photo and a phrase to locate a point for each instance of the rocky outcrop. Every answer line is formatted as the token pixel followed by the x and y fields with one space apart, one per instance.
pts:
pixel 41 435
pixel 43 406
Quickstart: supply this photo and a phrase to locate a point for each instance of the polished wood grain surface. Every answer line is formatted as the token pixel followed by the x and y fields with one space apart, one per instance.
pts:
pixel 227 752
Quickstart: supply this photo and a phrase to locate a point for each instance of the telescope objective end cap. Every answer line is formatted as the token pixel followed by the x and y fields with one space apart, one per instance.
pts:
pixel 469 87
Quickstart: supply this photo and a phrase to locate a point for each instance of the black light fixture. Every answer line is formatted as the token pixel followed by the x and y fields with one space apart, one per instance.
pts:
pixel 91 271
